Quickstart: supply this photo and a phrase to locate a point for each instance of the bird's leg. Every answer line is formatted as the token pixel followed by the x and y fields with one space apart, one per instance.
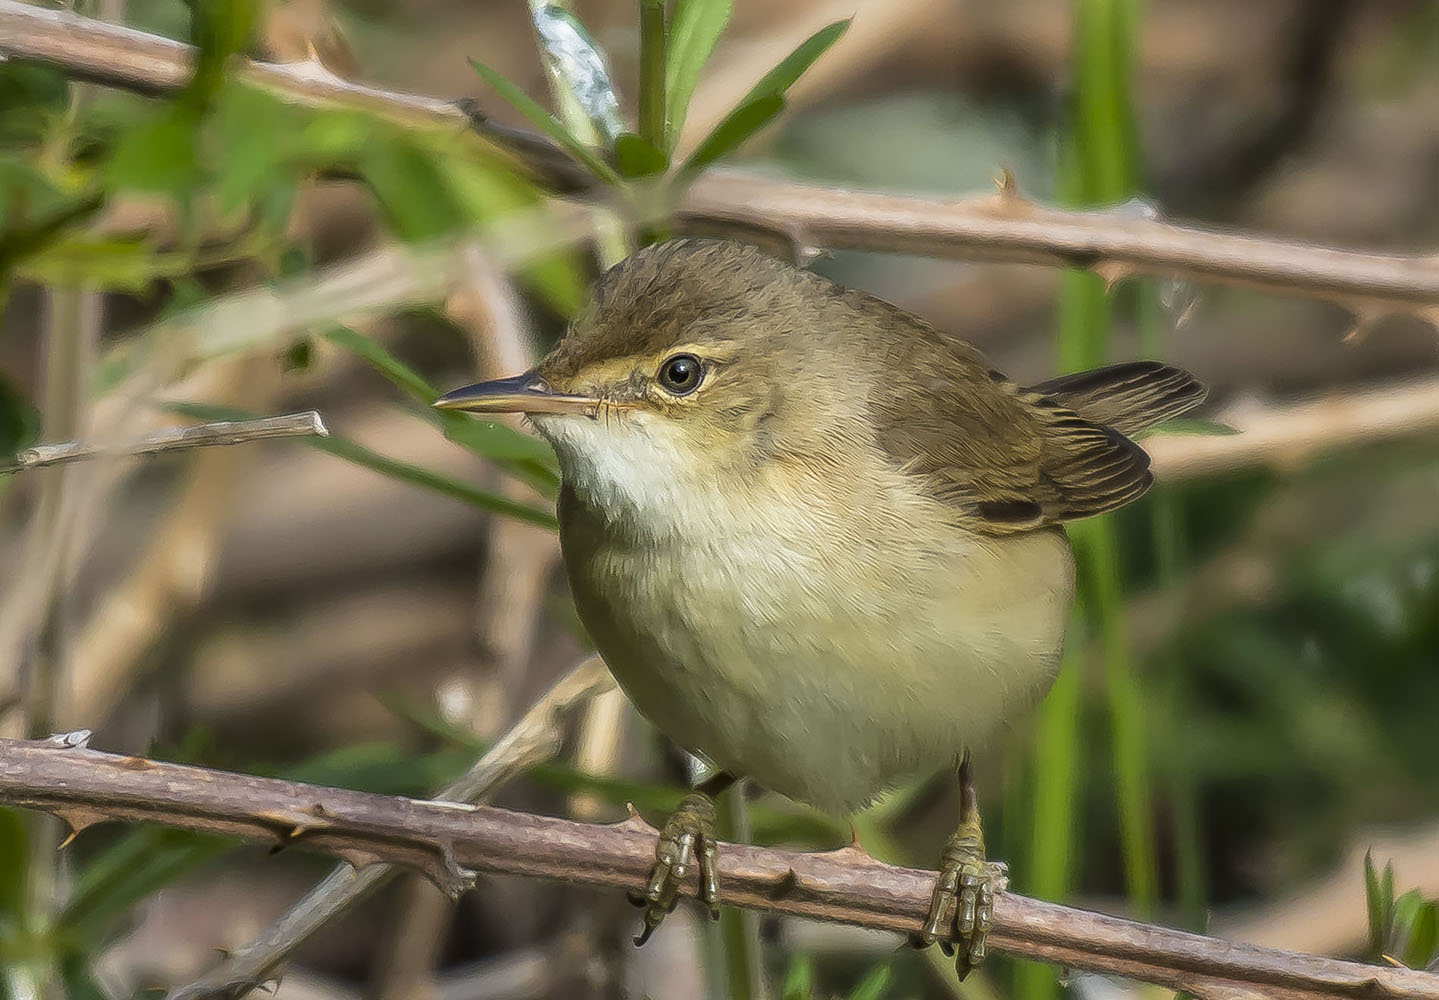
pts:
pixel 964 892
pixel 688 837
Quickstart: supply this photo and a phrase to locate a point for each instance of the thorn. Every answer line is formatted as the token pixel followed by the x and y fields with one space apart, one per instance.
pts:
pixel 1007 185
pixel 1112 272
pixel 786 885
pixel 634 821
pixel 77 820
pixel 1366 318
pixel 452 878
pixel 854 837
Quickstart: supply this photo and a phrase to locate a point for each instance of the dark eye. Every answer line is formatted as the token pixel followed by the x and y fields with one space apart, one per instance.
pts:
pixel 681 374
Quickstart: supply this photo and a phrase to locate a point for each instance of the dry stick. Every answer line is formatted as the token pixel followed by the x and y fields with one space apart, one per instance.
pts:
pixel 219 432
pixel 450 842
pixel 1003 228
pixel 531 741
pixel 1287 435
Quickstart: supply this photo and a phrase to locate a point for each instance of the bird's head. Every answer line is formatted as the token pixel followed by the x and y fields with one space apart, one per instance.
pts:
pixel 694 359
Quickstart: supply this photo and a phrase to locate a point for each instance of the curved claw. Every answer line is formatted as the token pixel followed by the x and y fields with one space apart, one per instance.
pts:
pixel 964 893
pixel 687 837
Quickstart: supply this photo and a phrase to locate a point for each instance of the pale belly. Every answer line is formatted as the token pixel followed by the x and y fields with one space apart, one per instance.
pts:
pixel 827 693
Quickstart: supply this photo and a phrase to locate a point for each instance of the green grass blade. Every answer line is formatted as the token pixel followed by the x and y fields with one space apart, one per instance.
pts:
pixel 873 985
pixel 694 30
pixel 546 122
pixel 652 72
pixel 741 123
pixel 373 353
pixel 523 454
pixel 415 475
pixel 436 482
pixel 1050 873
pixel 1374 904
pixel 788 70
pixel 1127 717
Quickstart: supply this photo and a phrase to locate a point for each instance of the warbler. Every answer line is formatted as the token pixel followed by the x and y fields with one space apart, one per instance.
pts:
pixel 819 543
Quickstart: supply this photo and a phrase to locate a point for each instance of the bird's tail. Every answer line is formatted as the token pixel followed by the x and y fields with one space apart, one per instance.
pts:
pixel 1130 396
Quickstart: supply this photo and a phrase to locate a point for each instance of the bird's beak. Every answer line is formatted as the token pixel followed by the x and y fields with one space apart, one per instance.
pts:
pixel 527 393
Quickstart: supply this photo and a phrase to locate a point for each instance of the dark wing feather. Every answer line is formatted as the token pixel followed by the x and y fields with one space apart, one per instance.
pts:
pixel 1005 459
pixel 1130 397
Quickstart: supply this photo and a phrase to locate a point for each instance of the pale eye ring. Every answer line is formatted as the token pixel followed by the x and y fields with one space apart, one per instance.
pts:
pixel 681 374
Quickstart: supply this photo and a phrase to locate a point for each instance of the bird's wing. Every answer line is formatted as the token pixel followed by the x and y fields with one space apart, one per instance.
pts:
pixel 1006 459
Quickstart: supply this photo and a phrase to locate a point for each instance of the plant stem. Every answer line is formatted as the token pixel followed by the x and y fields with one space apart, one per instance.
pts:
pixel 652 72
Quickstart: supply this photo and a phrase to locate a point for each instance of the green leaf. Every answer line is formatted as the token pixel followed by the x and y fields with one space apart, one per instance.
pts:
pixel 652 72
pixel 373 353
pixel 873 985
pixel 741 123
pixel 637 157
pixel 1188 427
pixel 793 66
pixel 262 145
pixel 546 123
pixel 33 97
pixel 798 979
pixel 1407 909
pixel 411 192
pixel 489 188
pixel 1376 906
pixel 415 475
pixel 1423 938
pixel 694 30
pixel 158 156
pixel 486 438
pixel 123 265
pixel 1386 893
pixel 498 442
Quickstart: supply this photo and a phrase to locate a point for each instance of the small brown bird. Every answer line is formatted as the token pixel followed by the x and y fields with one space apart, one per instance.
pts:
pixel 818 543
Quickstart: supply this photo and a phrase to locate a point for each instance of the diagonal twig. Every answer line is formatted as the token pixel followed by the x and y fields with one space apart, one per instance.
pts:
pixel 535 738
pixel 1115 245
pixel 207 435
pixel 450 842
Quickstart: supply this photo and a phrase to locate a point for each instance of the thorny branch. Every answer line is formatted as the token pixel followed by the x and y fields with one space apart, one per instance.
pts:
pixel 451 842
pixel 219 432
pixel 534 739
pixel 1007 227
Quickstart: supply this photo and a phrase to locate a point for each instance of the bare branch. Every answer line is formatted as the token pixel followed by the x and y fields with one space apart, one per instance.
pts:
pixel 451 842
pixel 219 432
pixel 1285 436
pixel 531 741
pixel 1006 227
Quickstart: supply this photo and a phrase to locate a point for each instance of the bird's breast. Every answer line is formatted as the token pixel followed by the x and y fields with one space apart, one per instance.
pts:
pixel 816 647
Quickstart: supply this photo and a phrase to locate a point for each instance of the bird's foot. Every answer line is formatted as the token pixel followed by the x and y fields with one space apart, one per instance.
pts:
pixel 964 893
pixel 688 837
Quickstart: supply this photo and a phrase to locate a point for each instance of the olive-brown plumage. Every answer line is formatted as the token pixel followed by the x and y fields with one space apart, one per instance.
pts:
pixel 816 540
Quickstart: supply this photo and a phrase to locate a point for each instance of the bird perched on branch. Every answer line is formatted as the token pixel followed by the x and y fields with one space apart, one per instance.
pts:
pixel 818 543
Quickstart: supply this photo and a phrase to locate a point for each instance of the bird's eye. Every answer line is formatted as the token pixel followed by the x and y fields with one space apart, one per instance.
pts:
pixel 681 374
